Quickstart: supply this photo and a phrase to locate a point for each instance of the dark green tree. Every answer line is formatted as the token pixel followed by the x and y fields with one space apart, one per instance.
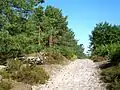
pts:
pixel 26 27
pixel 104 33
pixel 14 16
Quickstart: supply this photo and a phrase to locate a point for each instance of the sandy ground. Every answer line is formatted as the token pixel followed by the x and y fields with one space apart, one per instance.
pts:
pixel 81 74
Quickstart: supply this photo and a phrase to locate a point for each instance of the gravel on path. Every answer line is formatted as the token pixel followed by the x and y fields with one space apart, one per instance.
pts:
pixel 81 74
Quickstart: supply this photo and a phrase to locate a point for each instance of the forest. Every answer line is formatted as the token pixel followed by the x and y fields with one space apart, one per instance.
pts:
pixel 28 27
pixel 105 45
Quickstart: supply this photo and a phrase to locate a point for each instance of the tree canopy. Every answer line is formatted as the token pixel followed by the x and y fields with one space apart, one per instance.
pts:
pixel 104 33
pixel 105 41
pixel 27 27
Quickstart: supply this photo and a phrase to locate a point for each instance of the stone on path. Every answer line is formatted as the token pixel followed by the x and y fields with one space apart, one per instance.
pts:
pixel 78 75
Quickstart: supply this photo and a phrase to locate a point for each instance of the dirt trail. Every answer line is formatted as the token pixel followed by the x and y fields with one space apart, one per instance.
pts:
pixel 81 74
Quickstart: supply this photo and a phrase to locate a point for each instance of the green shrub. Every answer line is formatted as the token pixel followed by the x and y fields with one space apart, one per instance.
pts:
pixel 110 50
pixel 101 51
pixel 33 48
pixel 31 75
pixel 5 74
pixel 67 52
pixel 112 77
pixel 96 58
pixel 114 85
pixel 110 73
pixel 3 60
pixel 74 57
pixel 14 65
pixel 54 58
pixel 5 85
pixel 115 57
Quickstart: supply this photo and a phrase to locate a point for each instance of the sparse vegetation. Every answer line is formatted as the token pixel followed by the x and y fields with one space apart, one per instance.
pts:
pixel 5 85
pixel 54 58
pixel 111 76
pixel 96 58
pixel 30 74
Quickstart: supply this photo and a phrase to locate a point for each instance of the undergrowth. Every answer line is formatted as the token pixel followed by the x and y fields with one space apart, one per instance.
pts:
pixel 30 74
pixel 111 76
pixel 5 85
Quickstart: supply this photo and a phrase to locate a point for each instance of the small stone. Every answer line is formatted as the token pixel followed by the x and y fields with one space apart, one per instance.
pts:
pixel 78 75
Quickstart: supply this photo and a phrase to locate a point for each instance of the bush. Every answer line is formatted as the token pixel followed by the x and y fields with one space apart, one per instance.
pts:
pixel 101 51
pixel 5 74
pixel 33 48
pixel 5 85
pixel 30 75
pixel 14 65
pixel 54 58
pixel 96 58
pixel 115 57
pixel 110 50
pixel 111 76
pixel 66 52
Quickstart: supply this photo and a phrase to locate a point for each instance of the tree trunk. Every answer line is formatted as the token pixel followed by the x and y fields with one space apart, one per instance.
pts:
pixel 39 36
pixel 50 40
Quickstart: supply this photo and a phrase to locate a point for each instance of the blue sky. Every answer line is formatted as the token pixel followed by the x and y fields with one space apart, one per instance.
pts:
pixel 84 14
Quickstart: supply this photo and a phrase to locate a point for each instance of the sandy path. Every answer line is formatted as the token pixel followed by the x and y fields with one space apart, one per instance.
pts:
pixel 78 75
